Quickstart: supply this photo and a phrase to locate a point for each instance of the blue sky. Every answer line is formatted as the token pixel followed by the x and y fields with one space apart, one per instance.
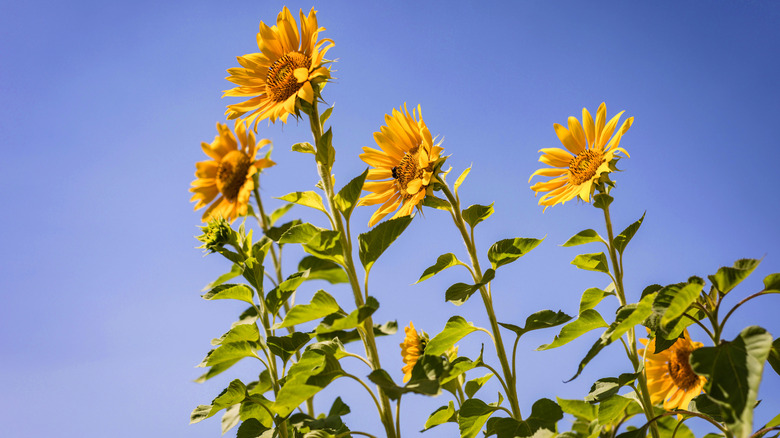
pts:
pixel 104 107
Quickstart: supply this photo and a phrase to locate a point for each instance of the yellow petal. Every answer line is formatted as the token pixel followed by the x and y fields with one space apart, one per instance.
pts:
pixel 567 139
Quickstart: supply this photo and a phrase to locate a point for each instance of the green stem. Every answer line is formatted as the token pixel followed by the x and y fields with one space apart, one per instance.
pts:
pixel 509 377
pixel 367 335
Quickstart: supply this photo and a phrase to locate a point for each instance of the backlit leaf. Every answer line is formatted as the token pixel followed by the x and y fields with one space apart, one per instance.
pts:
pixel 308 199
pixel 621 240
pixel 477 213
pixel 587 321
pixel 729 277
pixel 508 250
pixel 592 262
pixel 322 304
pixel 443 262
pixel 456 328
pixel 239 292
pixel 583 237
pixel 374 242
pixel 347 197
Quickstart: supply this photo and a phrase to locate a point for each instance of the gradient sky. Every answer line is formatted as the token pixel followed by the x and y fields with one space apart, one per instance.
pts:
pixel 104 105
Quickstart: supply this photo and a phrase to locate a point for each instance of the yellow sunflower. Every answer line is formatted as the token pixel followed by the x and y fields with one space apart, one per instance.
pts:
pixel 228 173
pixel 403 166
pixel 670 378
pixel 412 349
pixel 590 151
pixel 288 63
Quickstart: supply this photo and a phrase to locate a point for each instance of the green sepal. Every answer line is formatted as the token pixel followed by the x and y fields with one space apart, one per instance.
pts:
pixel 539 320
pixel 444 414
pixel 592 262
pixel 458 293
pixel 285 346
pixel 621 240
pixel 729 277
pixel 588 320
pixel 508 250
pixel 347 197
pixel 375 241
pixel 320 269
pixel 325 153
pixel 477 213
pixel 456 328
pixel 308 199
pixel 583 237
pixel 322 304
pixel 239 292
pixel 278 296
pixel 443 262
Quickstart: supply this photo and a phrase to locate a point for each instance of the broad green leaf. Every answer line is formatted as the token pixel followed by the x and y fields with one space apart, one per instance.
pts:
pixel 215 370
pixel 304 147
pixel 458 293
pixel 279 295
pixel 472 416
pixel 443 262
pixel 326 154
pixel 508 250
pixel 729 277
pixel 592 297
pixel 578 408
pixel 230 396
pixel 539 320
pixel 679 293
pixel 545 413
pixel 276 233
pixel 279 213
pixel 322 304
pixel 323 270
pixel 621 240
pixel 587 321
pixel 235 271
pixel 473 385
pixel 286 346
pixel 300 233
pixel 239 332
pixel 679 302
pixel 231 418
pixel 319 242
pixel 583 237
pixel 733 371
pixel 592 262
pixel 704 404
pixel 313 372
pixel 461 365
pixel 229 352
pixel 602 200
pixel 346 336
pixel 239 292
pixel 774 356
pixel 605 388
pixel 253 409
pixel 612 409
pixel 460 180
pixel 669 427
pixel 772 282
pixel 419 383
pixel 347 197
pixel 336 322
pixel 307 199
pixel 374 242
pixel 253 429
pixel 442 415
pixel 437 203
pixel 326 115
pixel 455 329
pixel 477 213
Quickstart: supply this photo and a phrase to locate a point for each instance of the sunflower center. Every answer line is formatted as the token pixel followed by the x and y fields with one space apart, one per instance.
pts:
pixel 231 174
pixel 407 169
pixel 280 81
pixel 584 166
pixel 680 369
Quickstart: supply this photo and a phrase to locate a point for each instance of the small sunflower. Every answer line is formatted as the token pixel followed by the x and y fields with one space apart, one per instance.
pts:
pixel 412 349
pixel 228 173
pixel 590 152
pixel 288 64
pixel 403 166
pixel 670 378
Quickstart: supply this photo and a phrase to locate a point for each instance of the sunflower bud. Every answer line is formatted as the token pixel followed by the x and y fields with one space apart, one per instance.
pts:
pixel 216 235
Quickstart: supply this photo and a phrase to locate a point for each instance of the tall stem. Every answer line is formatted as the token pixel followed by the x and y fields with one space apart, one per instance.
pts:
pixel 487 299
pixel 367 334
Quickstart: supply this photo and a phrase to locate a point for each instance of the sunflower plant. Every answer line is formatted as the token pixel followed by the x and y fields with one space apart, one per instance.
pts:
pixel 682 370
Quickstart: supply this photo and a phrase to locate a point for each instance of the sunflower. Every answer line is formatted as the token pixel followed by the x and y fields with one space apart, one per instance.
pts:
pixel 412 349
pixel 590 152
pixel 228 173
pixel 670 378
pixel 404 166
pixel 288 64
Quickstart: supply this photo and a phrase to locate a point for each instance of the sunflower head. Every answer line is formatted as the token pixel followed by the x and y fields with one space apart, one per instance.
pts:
pixel 227 179
pixel 288 69
pixel 670 378
pixel 403 167
pixel 590 154
pixel 412 348
pixel 216 235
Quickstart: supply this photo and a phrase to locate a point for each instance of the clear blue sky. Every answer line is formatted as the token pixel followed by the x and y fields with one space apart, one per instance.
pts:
pixel 103 106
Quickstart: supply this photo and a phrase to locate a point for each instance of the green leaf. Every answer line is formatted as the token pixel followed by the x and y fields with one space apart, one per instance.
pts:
pixel 578 408
pixel 239 332
pixel 347 197
pixel 286 346
pixel 326 154
pixel 231 418
pixel 279 295
pixel 677 303
pixel 314 371
pixel 508 250
pixel 592 297
pixel 322 304
pixel 621 240
pixel 239 292
pixel 545 413
pixel 304 147
pixel 229 352
pixel 539 320
pixel 278 213
pixel 440 416
pixel 276 233
pixel 774 356
pixel 319 242
pixel 477 213
pixel 669 427
pixel 587 321
pixel 605 388
pixel 458 293
pixel 443 262
pixel 307 199
pixel 772 282
pixel 437 203
pixel 374 242
pixel 336 322
pixel 455 329
pixel 215 370
pixel 472 416
pixel 323 270
pixel 592 262
pixel 346 336
pixel 253 410
pixel 252 429
pixel 460 179
pixel 583 237
pixel 326 115
pixel 602 200
pixel 729 277
pixel 612 409
pixel 733 371
pixel 231 395
pixel 677 297
pixel 235 271
pixel 420 382
pixel 473 385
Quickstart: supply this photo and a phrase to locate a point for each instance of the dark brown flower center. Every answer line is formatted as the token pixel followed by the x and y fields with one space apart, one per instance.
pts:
pixel 280 81
pixel 584 166
pixel 680 369
pixel 231 174
pixel 407 169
